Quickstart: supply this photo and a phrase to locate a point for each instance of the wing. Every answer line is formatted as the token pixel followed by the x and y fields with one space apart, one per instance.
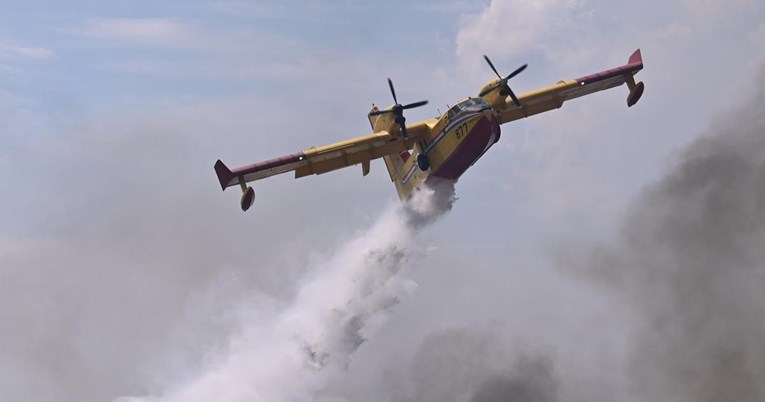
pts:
pixel 552 97
pixel 318 160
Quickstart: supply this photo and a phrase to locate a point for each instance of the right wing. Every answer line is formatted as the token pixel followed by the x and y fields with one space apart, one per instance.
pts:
pixel 318 160
pixel 552 97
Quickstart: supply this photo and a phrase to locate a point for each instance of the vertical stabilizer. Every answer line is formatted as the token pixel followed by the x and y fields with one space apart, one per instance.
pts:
pixel 396 162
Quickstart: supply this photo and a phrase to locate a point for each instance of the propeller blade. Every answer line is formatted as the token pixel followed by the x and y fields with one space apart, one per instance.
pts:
pixel 502 83
pixel 415 104
pixel 392 91
pixel 404 133
pixel 379 112
pixel 492 66
pixel 517 71
pixel 515 98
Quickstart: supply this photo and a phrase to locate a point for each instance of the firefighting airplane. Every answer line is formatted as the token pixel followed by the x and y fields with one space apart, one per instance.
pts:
pixel 438 148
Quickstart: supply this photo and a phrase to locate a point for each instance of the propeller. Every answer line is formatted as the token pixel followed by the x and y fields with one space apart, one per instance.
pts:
pixel 398 109
pixel 504 89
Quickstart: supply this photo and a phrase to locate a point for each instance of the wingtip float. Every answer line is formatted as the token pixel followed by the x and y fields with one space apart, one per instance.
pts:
pixel 443 147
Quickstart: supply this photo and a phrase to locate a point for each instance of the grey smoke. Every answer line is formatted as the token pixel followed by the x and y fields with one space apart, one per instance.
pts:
pixel 479 366
pixel 532 382
pixel 294 351
pixel 690 262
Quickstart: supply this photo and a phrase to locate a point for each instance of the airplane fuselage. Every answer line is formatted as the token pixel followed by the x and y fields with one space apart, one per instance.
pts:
pixel 456 141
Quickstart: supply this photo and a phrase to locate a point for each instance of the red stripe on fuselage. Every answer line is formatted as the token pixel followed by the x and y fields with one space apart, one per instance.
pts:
pixel 484 133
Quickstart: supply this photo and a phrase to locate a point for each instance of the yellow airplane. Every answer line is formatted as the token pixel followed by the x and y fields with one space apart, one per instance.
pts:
pixel 438 148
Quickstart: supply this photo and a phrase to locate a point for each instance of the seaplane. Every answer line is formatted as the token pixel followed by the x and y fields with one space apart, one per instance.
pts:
pixel 435 149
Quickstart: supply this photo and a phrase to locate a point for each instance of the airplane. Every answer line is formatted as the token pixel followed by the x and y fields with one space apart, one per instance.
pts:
pixel 437 148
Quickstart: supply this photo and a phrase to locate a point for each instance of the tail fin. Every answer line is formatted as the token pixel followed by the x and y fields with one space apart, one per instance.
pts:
pixel 224 174
pixel 636 88
pixel 636 57
pixel 394 162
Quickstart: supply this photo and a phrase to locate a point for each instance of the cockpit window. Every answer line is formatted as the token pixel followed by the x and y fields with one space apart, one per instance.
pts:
pixel 454 111
pixel 472 102
pixel 467 103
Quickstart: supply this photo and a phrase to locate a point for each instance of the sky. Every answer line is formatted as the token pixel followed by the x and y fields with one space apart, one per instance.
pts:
pixel 126 272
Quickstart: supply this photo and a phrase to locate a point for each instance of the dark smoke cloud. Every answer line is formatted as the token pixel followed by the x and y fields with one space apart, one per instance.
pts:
pixel 532 382
pixel 691 262
pixel 478 366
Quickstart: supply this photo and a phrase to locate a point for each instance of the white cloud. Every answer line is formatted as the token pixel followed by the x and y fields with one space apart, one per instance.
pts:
pixel 26 52
pixel 313 11
pixel 447 7
pixel 202 38
pixel 8 70
pixel 6 98
pixel 508 28
pixel 715 10
pixel 159 31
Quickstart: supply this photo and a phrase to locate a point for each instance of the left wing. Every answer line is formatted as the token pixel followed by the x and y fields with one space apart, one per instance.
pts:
pixel 323 159
pixel 552 97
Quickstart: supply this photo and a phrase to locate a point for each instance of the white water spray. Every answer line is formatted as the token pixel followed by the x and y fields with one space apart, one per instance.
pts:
pixel 290 355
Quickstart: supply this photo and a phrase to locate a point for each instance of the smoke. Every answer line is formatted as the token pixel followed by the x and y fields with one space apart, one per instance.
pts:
pixel 131 271
pixel 478 366
pixel 690 261
pixel 531 381
pixel 687 271
pixel 291 352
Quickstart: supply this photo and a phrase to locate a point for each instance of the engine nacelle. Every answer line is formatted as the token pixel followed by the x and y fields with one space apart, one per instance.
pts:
pixel 493 97
pixel 382 122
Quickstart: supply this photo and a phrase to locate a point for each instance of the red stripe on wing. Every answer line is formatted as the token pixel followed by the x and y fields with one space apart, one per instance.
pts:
pixel 269 164
pixel 634 65
pixel 230 177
